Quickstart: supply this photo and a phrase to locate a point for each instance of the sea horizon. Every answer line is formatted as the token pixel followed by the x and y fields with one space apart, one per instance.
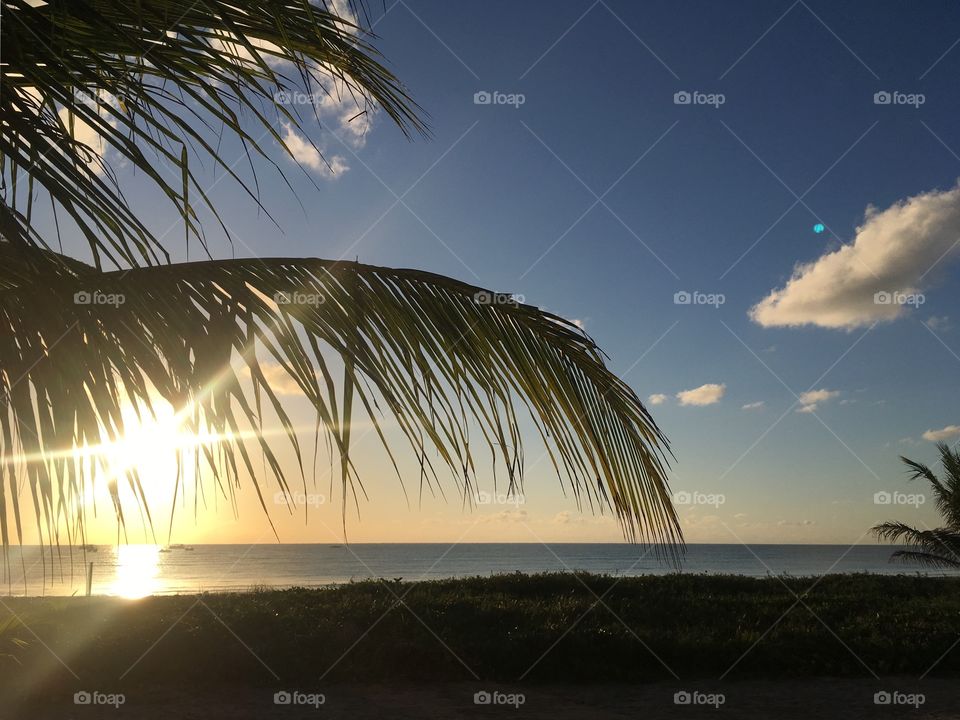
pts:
pixel 139 570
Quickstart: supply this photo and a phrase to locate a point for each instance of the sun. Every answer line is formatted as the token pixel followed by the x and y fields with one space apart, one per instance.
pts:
pixel 149 442
pixel 151 445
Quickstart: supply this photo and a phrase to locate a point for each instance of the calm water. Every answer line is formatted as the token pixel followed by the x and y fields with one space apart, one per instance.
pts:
pixel 139 570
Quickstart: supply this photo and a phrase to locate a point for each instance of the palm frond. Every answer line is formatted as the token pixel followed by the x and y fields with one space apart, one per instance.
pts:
pixel 943 543
pixel 949 504
pixel 159 82
pixel 928 559
pixel 450 363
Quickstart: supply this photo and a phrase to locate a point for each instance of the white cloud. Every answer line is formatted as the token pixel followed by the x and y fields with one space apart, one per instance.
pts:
pixel 505 516
pixel 759 405
pixel 810 400
pixel 938 322
pixel 657 399
pixel 950 431
pixel 82 131
pixel 306 154
pixel 327 95
pixel 277 378
pixel 893 251
pixel 704 395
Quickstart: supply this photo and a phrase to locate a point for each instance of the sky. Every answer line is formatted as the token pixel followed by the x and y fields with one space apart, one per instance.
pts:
pixel 752 207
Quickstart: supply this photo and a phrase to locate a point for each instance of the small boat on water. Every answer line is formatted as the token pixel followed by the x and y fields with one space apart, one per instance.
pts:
pixel 176 546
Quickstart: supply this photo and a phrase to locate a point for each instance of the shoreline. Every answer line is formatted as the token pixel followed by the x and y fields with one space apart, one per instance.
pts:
pixel 229 590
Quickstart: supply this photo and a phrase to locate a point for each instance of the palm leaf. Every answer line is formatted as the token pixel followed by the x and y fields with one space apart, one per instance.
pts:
pixel 929 559
pixel 157 81
pixel 940 543
pixel 442 359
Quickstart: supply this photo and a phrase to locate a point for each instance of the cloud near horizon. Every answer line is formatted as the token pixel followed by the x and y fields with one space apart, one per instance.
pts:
pixel 893 251
pixel 950 431
pixel 278 378
pixel 708 394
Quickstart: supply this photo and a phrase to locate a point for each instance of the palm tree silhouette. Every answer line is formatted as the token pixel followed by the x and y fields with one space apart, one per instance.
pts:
pixel 161 83
pixel 941 546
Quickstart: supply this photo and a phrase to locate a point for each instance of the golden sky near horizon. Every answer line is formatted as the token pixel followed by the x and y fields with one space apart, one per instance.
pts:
pixel 205 512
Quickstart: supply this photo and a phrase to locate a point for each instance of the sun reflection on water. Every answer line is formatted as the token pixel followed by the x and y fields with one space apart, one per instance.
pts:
pixel 138 571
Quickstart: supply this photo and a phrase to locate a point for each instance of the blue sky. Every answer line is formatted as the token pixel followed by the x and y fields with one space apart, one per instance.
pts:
pixel 704 199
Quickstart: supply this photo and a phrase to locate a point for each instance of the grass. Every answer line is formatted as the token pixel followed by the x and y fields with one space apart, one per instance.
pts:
pixel 543 628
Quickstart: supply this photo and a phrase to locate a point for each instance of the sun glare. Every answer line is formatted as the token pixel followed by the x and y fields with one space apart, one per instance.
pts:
pixel 137 573
pixel 149 444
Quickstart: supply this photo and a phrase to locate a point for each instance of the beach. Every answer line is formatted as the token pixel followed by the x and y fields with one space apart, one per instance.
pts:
pixel 571 645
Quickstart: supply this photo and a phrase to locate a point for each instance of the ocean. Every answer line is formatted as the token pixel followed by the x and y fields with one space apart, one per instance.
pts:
pixel 140 570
